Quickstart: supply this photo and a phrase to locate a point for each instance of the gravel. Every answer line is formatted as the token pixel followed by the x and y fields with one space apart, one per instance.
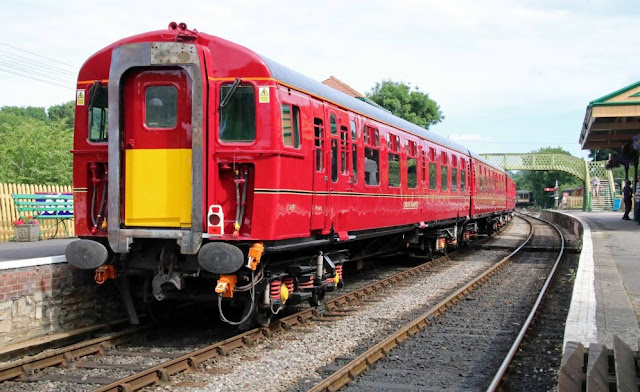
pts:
pixel 293 360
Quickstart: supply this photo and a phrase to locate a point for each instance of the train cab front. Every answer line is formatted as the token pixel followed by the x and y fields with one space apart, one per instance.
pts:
pixel 150 234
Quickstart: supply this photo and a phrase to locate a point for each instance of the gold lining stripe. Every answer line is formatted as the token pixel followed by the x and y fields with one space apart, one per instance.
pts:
pixel 255 78
pixel 261 191
pixel 92 81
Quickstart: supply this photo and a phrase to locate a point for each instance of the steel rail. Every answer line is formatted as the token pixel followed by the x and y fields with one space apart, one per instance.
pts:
pixel 161 373
pixel 363 362
pixel 516 344
pixel 27 366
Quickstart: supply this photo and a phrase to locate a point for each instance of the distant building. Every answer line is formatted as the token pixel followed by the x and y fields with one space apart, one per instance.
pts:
pixel 342 86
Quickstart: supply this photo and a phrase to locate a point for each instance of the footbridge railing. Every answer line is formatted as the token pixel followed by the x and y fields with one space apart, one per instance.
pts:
pixel 561 162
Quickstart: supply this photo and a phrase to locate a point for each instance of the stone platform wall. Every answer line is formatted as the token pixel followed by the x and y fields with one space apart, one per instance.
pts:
pixel 36 301
pixel 569 223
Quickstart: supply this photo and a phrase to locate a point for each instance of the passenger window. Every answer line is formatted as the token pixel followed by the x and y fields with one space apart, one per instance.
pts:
pixel 432 176
pixel 98 108
pixel 238 115
pixel 354 159
pixel 371 166
pixel 344 148
pixel 334 160
pixel 454 179
pixel 318 133
pixel 332 123
pixel 423 167
pixel 353 130
pixel 161 107
pixel 290 125
pixel 463 183
pixel 443 178
pixel 412 173
pixel 394 170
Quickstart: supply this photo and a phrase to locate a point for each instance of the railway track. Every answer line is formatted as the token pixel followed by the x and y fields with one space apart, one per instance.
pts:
pixel 455 354
pixel 335 309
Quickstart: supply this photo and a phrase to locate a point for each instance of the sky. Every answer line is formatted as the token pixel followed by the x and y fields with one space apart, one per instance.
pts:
pixel 509 76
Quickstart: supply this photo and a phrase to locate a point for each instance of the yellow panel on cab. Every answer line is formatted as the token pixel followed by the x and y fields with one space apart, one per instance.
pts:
pixel 158 187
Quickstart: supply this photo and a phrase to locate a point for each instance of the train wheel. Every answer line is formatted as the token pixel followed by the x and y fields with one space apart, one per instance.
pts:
pixel 317 297
pixel 262 317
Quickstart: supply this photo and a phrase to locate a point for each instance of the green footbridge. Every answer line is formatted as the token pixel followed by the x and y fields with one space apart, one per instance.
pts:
pixel 580 168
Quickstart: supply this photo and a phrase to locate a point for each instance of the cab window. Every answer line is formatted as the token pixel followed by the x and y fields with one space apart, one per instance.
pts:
pixel 238 114
pixel 98 113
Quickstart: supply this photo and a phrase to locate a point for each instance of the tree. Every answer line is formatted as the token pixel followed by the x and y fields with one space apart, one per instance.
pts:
pixel 64 113
pixel 37 113
pixel 411 105
pixel 34 151
pixel 536 181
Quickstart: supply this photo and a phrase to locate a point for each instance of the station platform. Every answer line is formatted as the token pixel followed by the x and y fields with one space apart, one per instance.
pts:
pixel 606 294
pixel 23 254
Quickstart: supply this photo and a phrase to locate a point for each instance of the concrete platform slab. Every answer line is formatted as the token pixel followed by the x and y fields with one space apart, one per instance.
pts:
pixel 609 274
pixel 10 251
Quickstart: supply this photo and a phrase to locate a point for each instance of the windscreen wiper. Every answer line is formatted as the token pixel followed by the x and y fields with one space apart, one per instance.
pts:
pixel 233 88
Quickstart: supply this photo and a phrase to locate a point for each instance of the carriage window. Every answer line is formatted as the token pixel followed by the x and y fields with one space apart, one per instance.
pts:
pixel 354 159
pixel 332 122
pixel 423 167
pixel 454 179
pixel 412 173
pixel 394 170
pixel 290 125
pixel 161 107
pixel 334 160
pixel 318 133
pixel 371 166
pixel 443 178
pixel 432 175
pixel 463 182
pixel 344 148
pixel 98 114
pixel 353 129
pixel 238 115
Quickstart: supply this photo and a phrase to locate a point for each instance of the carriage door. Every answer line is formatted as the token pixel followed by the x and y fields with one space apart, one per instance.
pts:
pixel 321 170
pixel 157 149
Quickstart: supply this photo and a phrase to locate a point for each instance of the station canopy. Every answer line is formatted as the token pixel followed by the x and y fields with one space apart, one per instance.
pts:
pixel 612 120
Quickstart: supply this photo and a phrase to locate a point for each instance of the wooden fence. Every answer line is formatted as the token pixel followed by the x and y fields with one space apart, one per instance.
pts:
pixel 8 211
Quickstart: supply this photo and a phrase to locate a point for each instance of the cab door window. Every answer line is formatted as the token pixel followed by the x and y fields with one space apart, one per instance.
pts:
pixel 161 107
pixel 237 113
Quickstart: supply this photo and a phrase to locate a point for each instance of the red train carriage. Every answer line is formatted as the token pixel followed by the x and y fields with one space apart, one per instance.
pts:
pixel 204 171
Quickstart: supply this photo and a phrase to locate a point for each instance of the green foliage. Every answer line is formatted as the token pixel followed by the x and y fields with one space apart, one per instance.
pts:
pixel 32 112
pixel 536 181
pixel 411 105
pixel 64 113
pixel 35 149
pixel 601 155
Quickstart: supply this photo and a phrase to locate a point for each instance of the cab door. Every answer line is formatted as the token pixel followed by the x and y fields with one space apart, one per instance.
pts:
pixel 157 148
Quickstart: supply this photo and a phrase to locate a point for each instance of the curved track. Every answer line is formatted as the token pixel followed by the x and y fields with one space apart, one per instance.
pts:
pixel 335 309
pixel 458 353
